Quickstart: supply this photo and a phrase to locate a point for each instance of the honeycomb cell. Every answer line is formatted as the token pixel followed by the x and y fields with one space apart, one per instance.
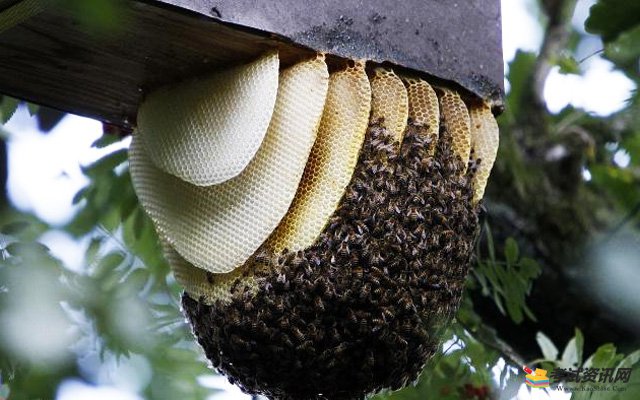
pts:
pixel 424 109
pixel 389 102
pixel 192 130
pixel 217 228
pixel 331 162
pixel 484 146
pixel 456 117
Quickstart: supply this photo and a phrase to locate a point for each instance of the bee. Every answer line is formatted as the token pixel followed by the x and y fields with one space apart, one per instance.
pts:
pixel 365 291
pixel 318 304
pixel 361 228
pixel 312 332
pixel 401 342
pixel 376 259
pixel 406 303
pixel 358 272
pixel 284 323
pixel 274 349
pixel 340 349
pixel 263 258
pixel 315 260
pixel 387 315
pixel 370 360
pixel 307 347
pixel 298 259
pixel 351 316
pixel 363 326
pixel 343 249
pixel 406 328
pixel 297 333
pixel 448 247
pixel 254 328
pixel 237 341
pixel 414 215
pixel 377 324
pixel 299 279
pixel 352 196
pixel 234 320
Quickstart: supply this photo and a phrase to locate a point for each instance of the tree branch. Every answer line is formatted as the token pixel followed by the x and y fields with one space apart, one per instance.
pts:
pixel 492 341
pixel 555 39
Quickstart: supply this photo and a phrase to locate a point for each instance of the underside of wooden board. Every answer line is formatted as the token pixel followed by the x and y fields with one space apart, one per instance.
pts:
pixel 48 56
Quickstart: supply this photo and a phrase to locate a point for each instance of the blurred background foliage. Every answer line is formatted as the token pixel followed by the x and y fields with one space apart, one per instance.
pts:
pixel 561 234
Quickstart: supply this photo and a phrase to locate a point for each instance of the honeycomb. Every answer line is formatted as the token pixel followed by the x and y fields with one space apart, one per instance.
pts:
pixel 217 228
pixel 203 285
pixel 196 118
pixel 331 162
pixel 484 146
pixel 389 101
pixel 424 109
pixel 329 251
pixel 455 114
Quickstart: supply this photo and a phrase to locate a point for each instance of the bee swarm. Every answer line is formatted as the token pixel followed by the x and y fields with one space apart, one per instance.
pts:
pixel 328 267
pixel 361 309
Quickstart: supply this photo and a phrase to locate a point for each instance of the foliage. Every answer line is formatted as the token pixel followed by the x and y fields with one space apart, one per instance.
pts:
pixel 606 356
pixel 123 304
pixel 508 282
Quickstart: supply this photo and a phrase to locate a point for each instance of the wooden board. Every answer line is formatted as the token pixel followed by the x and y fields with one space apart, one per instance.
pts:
pixel 52 58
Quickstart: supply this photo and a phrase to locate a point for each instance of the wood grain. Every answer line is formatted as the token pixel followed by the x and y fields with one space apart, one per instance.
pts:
pixel 54 60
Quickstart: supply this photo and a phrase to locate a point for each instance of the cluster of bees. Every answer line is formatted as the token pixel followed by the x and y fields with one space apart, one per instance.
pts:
pixel 361 309
pixel 321 222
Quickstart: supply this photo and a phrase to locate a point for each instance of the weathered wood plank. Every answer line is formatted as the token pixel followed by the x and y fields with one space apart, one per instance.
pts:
pixel 51 58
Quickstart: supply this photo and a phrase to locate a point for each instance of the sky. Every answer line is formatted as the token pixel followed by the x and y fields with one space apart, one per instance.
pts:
pixel 45 169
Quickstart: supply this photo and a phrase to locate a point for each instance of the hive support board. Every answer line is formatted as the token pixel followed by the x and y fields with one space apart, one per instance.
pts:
pixel 48 56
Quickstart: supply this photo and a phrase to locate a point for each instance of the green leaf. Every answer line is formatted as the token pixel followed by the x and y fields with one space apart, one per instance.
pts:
pixel 529 268
pixel 107 163
pixel 110 262
pixel 138 223
pixel 490 245
pixel 92 250
pixel 631 144
pixel 514 307
pixel 15 228
pixel 511 251
pixel 630 360
pixel 625 50
pixel 579 345
pixel 609 18
pixel 105 140
pixel 519 78
pixel 570 354
pixel 498 302
pixel 27 249
pixel 549 350
pixel 80 195
pixel 128 206
pixel 33 108
pixel 137 280
pixel 604 357
pixel 8 107
pixel 568 65
pixel 529 313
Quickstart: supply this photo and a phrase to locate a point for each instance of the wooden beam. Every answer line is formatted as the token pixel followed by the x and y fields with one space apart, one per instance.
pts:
pixel 48 56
